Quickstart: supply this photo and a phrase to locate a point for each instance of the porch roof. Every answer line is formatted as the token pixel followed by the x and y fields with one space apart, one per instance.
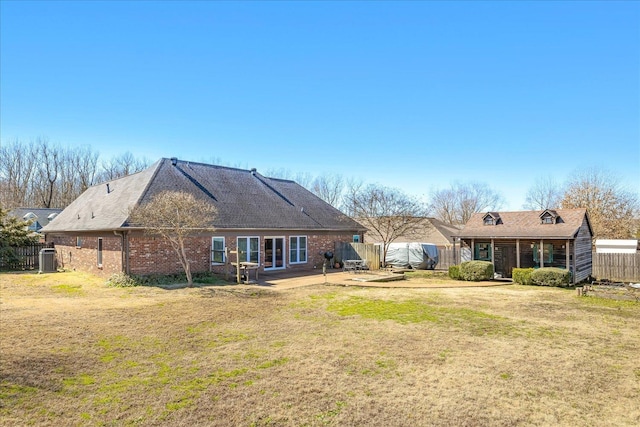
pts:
pixel 526 225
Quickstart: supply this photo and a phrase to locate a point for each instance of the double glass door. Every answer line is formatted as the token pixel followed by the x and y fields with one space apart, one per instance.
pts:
pixel 273 252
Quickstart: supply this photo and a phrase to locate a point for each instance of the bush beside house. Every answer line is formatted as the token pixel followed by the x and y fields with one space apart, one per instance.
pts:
pixel 522 276
pixel 454 272
pixel 551 276
pixel 473 271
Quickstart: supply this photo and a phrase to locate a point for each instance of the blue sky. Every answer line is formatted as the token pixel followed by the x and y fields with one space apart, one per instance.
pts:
pixel 413 95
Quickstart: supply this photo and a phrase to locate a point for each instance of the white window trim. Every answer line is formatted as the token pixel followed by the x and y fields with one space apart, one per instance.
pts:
pixel 306 249
pixel 224 246
pixel 285 253
pixel 248 247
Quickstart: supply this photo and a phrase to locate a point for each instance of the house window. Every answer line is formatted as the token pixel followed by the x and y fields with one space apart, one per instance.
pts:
pixel 356 238
pixel 99 251
pixel 217 250
pixel 249 249
pixel 482 252
pixel 547 253
pixel 297 249
pixel 547 219
pixel 488 220
pixel 78 242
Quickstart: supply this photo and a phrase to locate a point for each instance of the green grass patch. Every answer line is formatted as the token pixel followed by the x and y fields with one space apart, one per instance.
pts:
pixel 271 363
pixel 10 392
pixel 80 380
pixel 609 302
pixel 68 290
pixel 417 311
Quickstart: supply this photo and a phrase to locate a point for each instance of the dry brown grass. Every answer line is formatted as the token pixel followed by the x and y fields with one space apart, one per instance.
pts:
pixel 75 352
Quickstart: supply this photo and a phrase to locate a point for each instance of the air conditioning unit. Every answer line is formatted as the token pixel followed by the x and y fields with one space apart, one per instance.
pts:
pixel 48 262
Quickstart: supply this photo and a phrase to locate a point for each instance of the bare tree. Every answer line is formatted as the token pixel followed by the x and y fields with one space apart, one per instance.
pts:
pixel 42 174
pixel 17 170
pixel 612 209
pixel 122 165
pixel 175 216
pixel 50 162
pixel 544 194
pixel 353 187
pixel 444 206
pixel 303 178
pixel 387 213
pixel 456 204
pixel 329 188
pixel 85 163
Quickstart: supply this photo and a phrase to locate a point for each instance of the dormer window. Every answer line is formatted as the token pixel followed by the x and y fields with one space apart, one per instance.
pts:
pixel 51 216
pixel 491 218
pixel 548 217
pixel 29 216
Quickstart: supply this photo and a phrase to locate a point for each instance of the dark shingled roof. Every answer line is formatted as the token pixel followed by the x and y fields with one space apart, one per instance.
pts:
pixel 526 225
pixel 244 200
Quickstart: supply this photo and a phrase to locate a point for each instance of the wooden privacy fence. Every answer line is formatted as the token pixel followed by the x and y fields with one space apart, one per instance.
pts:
pixel 365 251
pixel 616 267
pixel 22 257
pixel 446 258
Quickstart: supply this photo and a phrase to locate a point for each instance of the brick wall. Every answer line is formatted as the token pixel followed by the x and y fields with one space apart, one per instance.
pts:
pixel 154 255
pixel 85 256
pixel 149 255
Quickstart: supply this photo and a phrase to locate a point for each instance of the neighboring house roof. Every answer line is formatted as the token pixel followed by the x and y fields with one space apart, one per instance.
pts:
pixel 432 231
pixel 527 224
pixel 40 217
pixel 244 199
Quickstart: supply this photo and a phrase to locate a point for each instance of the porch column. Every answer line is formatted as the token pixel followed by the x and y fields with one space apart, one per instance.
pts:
pixel 567 257
pixel 473 249
pixel 493 258
pixel 517 253
pixel 541 253
pixel 454 251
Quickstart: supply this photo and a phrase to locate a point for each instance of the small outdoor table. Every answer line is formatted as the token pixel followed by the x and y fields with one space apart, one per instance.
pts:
pixel 354 265
pixel 246 267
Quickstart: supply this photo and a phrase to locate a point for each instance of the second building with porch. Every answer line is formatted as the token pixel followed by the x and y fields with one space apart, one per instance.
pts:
pixel 531 239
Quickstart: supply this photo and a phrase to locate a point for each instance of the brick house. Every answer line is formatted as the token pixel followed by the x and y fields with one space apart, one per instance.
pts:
pixel 531 239
pixel 274 222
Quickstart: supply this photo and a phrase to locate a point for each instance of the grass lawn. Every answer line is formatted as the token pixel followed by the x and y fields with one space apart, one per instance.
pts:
pixel 76 352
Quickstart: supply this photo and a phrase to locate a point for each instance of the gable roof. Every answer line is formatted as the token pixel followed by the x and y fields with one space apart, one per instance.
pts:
pixel 244 199
pixel 432 231
pixel 527 225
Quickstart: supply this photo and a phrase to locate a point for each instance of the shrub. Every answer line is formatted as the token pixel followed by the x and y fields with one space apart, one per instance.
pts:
pixel 476 270
pixel 122 280
pixel 208 278
pixel 522 276
pixel 551 276
pixel 454 272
